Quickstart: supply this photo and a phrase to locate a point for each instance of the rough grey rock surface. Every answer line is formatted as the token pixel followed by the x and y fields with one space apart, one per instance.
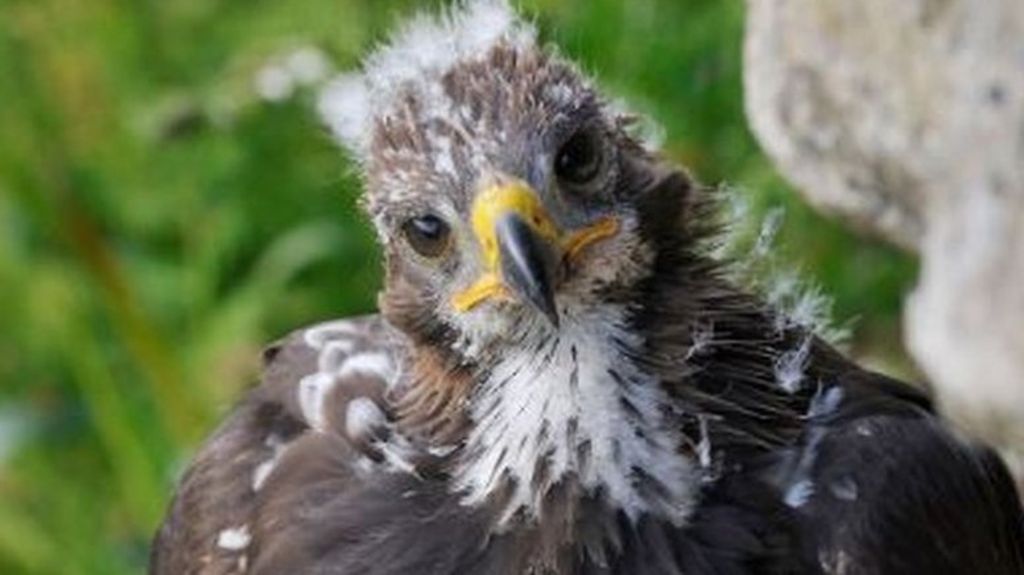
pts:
pixel 906 118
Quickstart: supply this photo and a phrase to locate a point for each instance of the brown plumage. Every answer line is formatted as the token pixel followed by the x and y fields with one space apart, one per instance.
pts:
pixel 562 379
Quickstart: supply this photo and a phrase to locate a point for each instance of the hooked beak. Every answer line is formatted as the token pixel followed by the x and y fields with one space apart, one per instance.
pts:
pixel 523 248
pixel 527 263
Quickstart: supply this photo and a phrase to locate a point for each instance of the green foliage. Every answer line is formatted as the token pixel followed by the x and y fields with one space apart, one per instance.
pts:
pixel 159 222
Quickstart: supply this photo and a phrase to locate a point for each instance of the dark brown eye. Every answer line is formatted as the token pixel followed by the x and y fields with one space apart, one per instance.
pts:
pixel 428 235
pixel 579 160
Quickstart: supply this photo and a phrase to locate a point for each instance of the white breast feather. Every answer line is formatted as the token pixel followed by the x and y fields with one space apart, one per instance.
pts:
pixel 538 395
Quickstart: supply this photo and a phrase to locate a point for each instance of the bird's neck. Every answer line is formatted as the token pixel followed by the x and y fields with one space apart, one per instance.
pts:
pixel 572 409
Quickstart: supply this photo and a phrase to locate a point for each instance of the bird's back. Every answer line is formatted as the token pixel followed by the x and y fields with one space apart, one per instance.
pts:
pixel 310 475
pixel 313 430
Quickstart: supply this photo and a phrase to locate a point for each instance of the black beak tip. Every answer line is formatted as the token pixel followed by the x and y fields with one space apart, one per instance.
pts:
pixel 551 312
pixel 527 265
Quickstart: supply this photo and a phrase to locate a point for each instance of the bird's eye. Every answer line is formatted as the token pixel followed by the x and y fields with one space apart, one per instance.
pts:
pixel 579 160
pixel 429 235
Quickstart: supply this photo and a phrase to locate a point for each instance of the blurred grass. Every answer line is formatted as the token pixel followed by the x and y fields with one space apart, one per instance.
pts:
pixel 159 222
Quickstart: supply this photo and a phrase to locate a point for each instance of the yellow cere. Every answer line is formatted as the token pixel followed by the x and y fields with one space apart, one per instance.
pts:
pixel 518 198
pixel 497 201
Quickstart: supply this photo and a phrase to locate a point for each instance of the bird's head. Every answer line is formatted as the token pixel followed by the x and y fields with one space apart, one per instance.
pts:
pixel 508 195
pixel 527 233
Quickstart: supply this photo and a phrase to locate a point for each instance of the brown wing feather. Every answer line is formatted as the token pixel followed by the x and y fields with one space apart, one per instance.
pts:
pixel 288 432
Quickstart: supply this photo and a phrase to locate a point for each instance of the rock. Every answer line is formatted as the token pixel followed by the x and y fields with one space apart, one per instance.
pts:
pixel 907 119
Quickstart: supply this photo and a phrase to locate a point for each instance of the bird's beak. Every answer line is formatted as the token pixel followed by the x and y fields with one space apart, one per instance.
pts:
pixel 524 251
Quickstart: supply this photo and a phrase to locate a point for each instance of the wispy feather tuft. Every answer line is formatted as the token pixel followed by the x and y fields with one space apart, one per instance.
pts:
pixel 413 61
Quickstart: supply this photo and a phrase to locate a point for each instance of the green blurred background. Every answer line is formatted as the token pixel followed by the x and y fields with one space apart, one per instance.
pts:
pixel 169 203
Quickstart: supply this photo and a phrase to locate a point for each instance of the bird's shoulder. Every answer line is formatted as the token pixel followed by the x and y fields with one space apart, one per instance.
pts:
pixel 879 483
pixel 318 416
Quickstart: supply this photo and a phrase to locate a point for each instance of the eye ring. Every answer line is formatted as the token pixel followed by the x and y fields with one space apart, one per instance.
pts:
pixel 428 235
pixel 579 160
